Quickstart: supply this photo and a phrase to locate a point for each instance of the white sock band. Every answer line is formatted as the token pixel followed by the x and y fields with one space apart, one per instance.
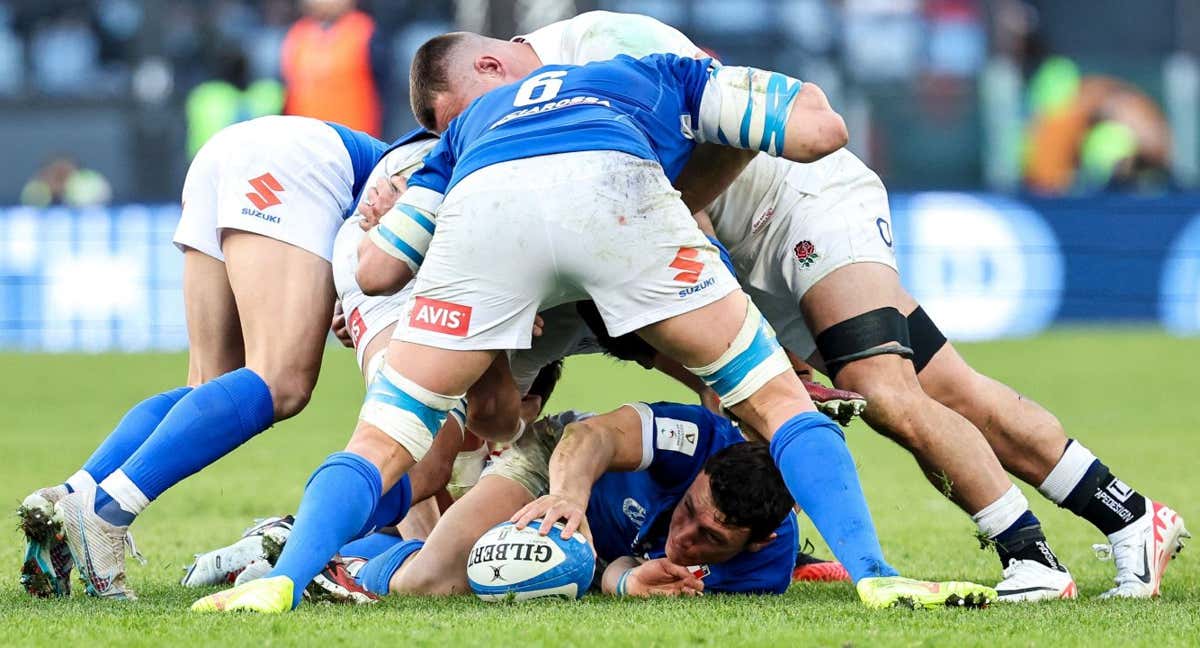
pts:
pixel 1067 473
pixel 125 493
pixel 81 480
pixel 996 517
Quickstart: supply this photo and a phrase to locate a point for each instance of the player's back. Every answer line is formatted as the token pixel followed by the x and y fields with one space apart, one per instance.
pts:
pixel 637 106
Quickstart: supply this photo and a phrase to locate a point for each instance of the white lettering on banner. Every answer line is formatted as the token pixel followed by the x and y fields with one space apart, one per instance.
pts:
pixel 983 268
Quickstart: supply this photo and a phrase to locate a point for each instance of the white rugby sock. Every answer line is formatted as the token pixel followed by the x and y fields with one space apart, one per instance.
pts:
pixel 81 480
pixel 125 493
pixel 1067 473
pixel 998 516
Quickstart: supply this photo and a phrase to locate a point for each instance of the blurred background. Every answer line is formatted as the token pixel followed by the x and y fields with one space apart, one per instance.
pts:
pixel 1043 155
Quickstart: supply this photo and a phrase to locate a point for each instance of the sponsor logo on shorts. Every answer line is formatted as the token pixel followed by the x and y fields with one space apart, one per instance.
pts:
pixel 685 261
pixel 762 220
pixel 806 253
pixel 358 328
pixel 885 230
pixel 246 211
pixel 264 195
pixel 440 316
pixel 707 283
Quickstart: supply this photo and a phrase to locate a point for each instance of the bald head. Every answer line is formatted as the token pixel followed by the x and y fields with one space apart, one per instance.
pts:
pixel 452 70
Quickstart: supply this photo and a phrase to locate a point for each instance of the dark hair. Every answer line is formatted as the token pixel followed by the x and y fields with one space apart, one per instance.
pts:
pixel 748 489
pixel 429 76
pixel 544 383
pixel 628 347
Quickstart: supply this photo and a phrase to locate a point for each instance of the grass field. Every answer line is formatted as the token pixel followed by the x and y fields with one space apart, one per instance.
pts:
pixel 1130 394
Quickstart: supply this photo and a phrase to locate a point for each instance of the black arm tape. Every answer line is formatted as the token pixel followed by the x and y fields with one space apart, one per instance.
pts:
pixel 878 332
pixel 927 338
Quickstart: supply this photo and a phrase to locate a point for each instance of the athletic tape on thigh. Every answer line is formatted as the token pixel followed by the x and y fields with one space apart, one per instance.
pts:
pixel 754 358
pixel 405 233
pixel 878 332
pixel 926 337
pixel 746 108
pixel 405 411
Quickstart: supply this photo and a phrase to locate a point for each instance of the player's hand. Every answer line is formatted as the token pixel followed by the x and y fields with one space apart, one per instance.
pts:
pixel 661 577
pixel 551 509
pixel 379 200
pixel 539 325
pixel 338 326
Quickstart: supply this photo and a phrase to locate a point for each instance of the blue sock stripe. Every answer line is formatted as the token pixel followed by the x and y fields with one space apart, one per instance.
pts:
pixel 377 574
pixel 727 378
pixel 385 391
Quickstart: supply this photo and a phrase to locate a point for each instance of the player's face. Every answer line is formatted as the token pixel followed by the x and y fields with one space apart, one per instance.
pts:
pixel 696 535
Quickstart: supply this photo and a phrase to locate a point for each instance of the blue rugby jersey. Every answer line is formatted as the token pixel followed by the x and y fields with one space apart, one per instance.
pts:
pixel 364 152
pixel 643 107
pixel 629 512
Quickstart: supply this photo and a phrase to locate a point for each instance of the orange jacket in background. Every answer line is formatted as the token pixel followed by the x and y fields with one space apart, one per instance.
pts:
pixel 327 71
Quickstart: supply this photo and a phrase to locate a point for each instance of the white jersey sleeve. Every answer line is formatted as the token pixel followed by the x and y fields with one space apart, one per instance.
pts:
pixel 602 35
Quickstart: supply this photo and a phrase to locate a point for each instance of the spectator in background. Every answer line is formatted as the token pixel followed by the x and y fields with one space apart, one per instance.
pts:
pixel 229 99
pixel 334 63
pixel 62 182
pixel 1093 132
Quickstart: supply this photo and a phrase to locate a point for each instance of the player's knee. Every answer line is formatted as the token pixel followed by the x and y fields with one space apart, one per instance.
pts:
pixel 494 416
pixel 290 393
pixel 752 360
pixel 403 410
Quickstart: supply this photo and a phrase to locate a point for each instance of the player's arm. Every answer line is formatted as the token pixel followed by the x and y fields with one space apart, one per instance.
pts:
pixel 759 110
pixel 394 249
pixel 588 448
pixel 628 576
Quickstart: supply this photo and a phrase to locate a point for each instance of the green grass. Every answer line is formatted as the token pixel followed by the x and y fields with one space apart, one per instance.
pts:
pixel 1129 394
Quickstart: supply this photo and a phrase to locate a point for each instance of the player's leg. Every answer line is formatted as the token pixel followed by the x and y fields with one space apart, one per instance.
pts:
pixel 1032 445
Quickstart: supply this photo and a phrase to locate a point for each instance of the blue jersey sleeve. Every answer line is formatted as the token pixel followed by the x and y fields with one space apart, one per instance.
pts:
pixel 690 76
pixel 438 166
pixel 679 439
pixel 767 571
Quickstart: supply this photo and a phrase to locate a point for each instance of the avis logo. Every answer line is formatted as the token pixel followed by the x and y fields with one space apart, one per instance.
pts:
pixel 440 316
pixel 265 185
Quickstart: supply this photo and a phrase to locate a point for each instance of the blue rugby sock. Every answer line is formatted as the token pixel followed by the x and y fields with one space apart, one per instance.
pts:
pixel 819 471
pixel 339 502
pixel 392 507
pixel 135 427
pixel 369 546
pixel 205 425
pixel 376 575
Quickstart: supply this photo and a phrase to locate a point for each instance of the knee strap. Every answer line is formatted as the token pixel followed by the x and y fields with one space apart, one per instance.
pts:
pixel 878 332
pixel 927 338
pixel 405 411
pixel 753 358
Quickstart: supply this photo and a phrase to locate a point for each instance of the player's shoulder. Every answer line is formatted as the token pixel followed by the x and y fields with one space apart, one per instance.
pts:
pixel 667 414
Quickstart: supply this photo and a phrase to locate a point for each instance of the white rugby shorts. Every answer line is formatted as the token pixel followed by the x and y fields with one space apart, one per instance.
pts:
pixel 287 178
pixel 521 236
pixel 366 317
pixel 809 235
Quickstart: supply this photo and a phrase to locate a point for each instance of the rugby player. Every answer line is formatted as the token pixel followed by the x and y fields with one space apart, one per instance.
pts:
pixel 630 245
pixel 262 202
pixel 679 501
pixel 812 244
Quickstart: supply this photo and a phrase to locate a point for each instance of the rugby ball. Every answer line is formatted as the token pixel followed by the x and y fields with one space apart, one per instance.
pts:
pixel 508 563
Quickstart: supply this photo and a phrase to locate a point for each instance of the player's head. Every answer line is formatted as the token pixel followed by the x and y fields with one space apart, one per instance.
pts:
pixel 734 505
pixel 452 70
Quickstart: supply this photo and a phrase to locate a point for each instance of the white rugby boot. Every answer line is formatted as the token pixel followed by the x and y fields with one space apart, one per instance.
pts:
pixel 97 546
pixel 1142 551
pixel 257 568
pixel 46 569
pixel 223 566
pixel 1029 580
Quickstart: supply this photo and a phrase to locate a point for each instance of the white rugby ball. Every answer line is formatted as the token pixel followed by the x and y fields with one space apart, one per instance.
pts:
pixel 521 564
